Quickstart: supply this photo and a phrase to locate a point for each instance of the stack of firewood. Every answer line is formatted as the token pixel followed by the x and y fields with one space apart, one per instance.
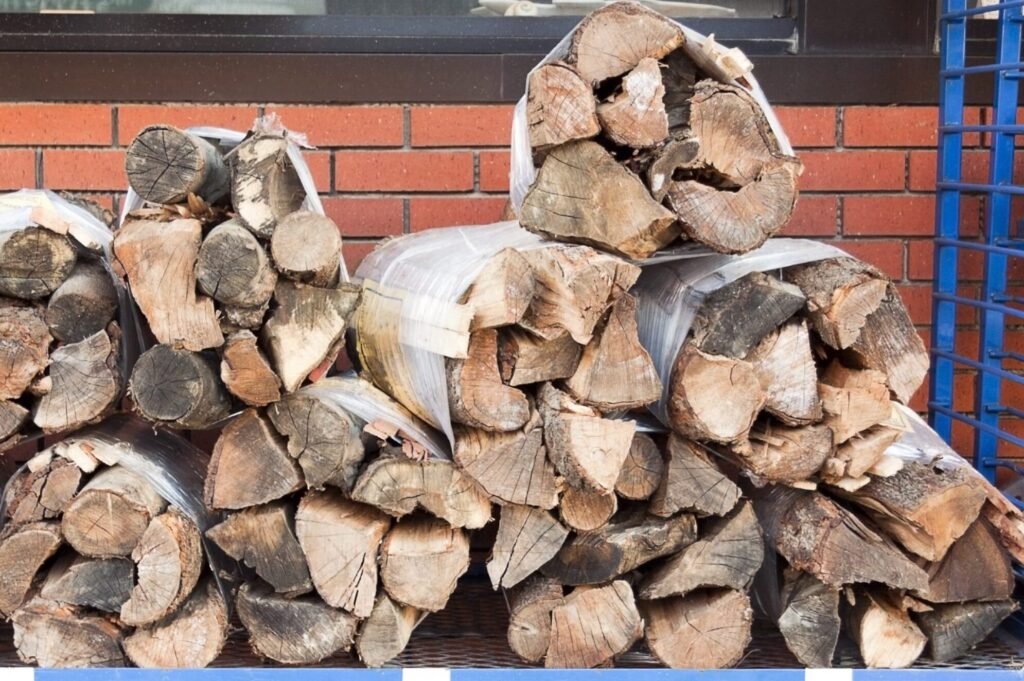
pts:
pixel 242 285
pixel 102 555
pixel 60 316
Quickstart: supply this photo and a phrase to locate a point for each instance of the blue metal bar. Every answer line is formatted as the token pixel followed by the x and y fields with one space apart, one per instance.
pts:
pixel 958 15
pixel 1016 129
pixel 981 305
pixel 978 425
pixel 1015 356
pixel 1004 410
pixel 977 246
pixel 1008 69
pixel 982 188
pixel 994 371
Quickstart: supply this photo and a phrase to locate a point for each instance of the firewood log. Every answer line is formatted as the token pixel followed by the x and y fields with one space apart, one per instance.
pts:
pixel 179 388
pixel 302 630
pixel 111 513
pixel 341 539
pixel 621 546
pixel 785 367
pixel 524 358
pixel 615 372
pixel 592 625
pixel 99 583
pixel 51 635
pixel 83 305
pixel 955 628
pixel 529 624
pixel 386 632
pixel 165 165
pixel 777 453
pixel 265 186
pixel 501 292
pixel 705 630
pixel 233 268
pixel 679 78
pixel 263 537
pixel 883 630
pixel 642 471
pixel 560 107
pixel 192 636
pixel 585 510
pixel 527 539
pixel 168 561
pixel 85 383
pixel 975 568
pixel 42 490
pixel 853 401
pixel 635 115
pixel 398 486
pixel 809 622
pixel 306 247
pixel 421 560
pixel 246 372
pixel 34 262
pixel 841 294
pixel 12 417
pixel 250 465
pixel 24 348
pixel 22 552
pixel 242 318
pixel 860 453
pixel 582 195
pixel 476 395
pixel 728 554
pixel 691 482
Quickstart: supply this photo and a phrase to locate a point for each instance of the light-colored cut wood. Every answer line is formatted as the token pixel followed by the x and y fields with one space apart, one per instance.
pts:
pixel 22 552
pixel 593 625
pixel 193 636
pixel 560 106
pixel 501 292
pixel 246 372
pixel 306 247
pixel 635 115
pixel 421 560
pixel 705 630
pixel 527 538
pixel 476 395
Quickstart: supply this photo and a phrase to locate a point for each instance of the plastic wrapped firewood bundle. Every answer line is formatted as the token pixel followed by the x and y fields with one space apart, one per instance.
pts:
pixel 103 555
pixel 238 272
pixel 636 132
pixel 351 520
pixel 67 327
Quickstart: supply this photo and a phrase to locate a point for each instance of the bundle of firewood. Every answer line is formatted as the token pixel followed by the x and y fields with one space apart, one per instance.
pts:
pixel 348 537
pixel 102 555
pixel 236 269
pixel 636 132
pixel 62 316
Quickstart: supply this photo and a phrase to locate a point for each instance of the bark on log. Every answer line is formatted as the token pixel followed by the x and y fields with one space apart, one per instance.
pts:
pixel 179 388
pixel 642 471
pixel 24 348
pixel 560 107
pixel 593 625
pixel 502 292
pixel 883 630
pixel 476 395
pixel 42 491
pixel 421 560
pixel 692 483
pixel 85 382
pixel 975 568
pixel 50 635
pixel 246 373
pixel 586 510
pixel 789 377
pixel 100 583
pixel 306 247
pixel 860 453
pixel 529 625
pixel 386 632
pixel 83 305
pixel 265 186
pixel 34 262
pixel 527 539
pixel 232 267
pixel 954 629
pixel 524 358
pixel 22 552
pixel 841 294
pixel 705 630
pixel 635 115
pixel 809 622
pixel 165 165
pixel 192 636
pixel 779 453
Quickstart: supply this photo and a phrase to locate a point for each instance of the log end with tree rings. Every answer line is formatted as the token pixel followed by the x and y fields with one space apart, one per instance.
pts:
pixel 164 165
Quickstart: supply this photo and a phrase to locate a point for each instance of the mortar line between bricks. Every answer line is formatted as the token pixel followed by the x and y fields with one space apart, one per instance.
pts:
pixel 114 114
pixel 407 126
pixel 39 168
pixel 406 216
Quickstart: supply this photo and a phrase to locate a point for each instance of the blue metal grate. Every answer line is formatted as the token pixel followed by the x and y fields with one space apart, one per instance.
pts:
pixel 978 310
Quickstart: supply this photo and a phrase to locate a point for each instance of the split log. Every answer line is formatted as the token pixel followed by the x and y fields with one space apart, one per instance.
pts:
pixel 955 628
pixel 728 554
pixel 476 395
pixel 250 465
pixel 622 546
pixel 586 510
pixel 100 583
pixel 841 294
pixel 192 636
pixel 24 348
pixel 159 259
pixel 525 358
pixel 306 247
pixel 860 453
pixel 83 305
pixel 705 630
pixel 265 186
pixel 560 107
pixel 642 471
pixel 809 622
pixel 853 401
pixel 692 483
pixel 592 625
pixel 741 189
pixel 398 485
pixel 85 384
pixel 615 372
pixel 527 539
pixel 34 262
pixel 306 329
pixel 263 538
pixel 246 373
pixel 677 153
pixel 22 553
pixel 583 195
pixel 168 559
pixel 42 491
pixel 340 540
pixel 713 398
pixel 232 267
pixel 111 514
pixel 529 625
pixel 50 635
pixel 421 560
pixel 575 285
pixel 778 453
pixel 386 632
pixel 679 78
pixel 501 292
pixel 12 417
pixel 975 568
pixel 635 115
pixel 165 165
pixel 179 388
pixel 302 630
pixel 785 367
pixel 237 318
pixel 883 630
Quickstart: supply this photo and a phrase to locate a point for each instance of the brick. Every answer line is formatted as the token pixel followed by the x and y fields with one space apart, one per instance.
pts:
pixel 355 251
pixel 494 171
pixel 918 300
pixel 362 217
pixel 921 262
pixel 923 169
pixel 814 216
pixel 425 213
pixel 461 126
pixel 885 254
pixel 17 169
pixel 131 118
pixel 319 163
pixel 898 126
pixel 428 171
pixel 809 126
pixel 53 124
pixel 95 169
pixel 852 170
pixel 888 215
pixel 345 126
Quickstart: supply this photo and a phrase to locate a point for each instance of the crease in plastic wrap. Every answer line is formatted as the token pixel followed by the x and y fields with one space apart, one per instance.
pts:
pixel 411 288
pixel 697 46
